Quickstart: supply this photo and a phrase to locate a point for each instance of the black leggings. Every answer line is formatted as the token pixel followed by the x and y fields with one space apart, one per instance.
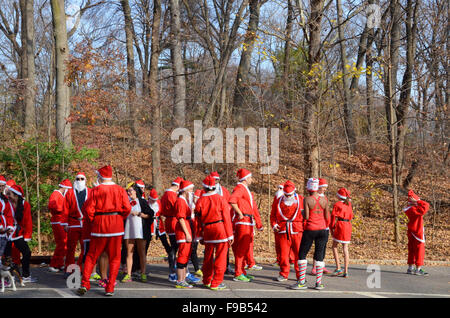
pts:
pixel 194 257
pixel 24 249
pixel 319 238
pixel 173 253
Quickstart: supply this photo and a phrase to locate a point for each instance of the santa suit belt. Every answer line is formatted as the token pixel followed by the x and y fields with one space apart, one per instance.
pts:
pixel 209 223
pixel 106 213
pixel 289 228
pixel 343 220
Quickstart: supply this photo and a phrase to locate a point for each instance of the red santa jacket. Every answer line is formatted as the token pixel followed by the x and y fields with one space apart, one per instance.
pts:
pixel 244 199
pixel 107 207
pixel 182 211
pixel 213 219
pixel 415 215
pixel 24 227
pixel 56 207
pixel 157 208
pixel 73 213
pixel 288 219
pixel 340 222
pixel 168 211
pixel 6 217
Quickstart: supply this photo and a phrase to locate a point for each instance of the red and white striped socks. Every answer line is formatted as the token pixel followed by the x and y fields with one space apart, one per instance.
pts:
pixel 319 271
pixel 302 267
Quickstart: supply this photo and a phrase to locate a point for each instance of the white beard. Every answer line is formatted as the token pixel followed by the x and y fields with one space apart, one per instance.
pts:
pixel 79 185
pixel 289 201
pixel 190 199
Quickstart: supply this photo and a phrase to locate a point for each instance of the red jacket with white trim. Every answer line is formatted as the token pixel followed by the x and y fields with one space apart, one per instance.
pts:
pixel 183 211
pixel 157 222
pixel 415 215
pixel 24 227
pixel 340 221
pixel 244 199
pixel 73 213
pixel 56 207
pixel 6 218
pixel 107 207
pixel 212 213
pixel 281 214
pixel 168 210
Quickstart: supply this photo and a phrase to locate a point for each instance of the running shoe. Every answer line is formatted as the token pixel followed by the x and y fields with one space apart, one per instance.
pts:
pixel 29 279
pixel 191 279
pixel 241 278
pixel 338 272
pixel 102 283
pixel 183 284
pixel 251 277
pixel 109 294
pixel 345 275
pixel 298 286
pixel 173 278
pixel 229 271
pixel 143 278
pixel 95 277
pixel 53 269
pixel 126 279
pixel 326 271
pixel 319 286
pixel 199 273
pixel 81 291
pixel 421 272
pixel 255 268
pixel 410 271
pixel 221 286
pixel 281 278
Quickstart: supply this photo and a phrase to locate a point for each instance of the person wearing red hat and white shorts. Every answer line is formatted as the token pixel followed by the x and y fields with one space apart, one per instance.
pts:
pixel 107 208
pixel 168 216
pixel 316 219
pixel 245 217
pixel 183 231
pixel 215 231
pixel 23 229
pixel 287 222
pixel 323 186
pixel 341 229
pixel 56 207
pixel 74 218
pixel 415 211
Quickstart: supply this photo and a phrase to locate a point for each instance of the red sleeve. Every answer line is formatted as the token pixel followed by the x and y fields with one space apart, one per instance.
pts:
pixel 236 195
pixel 56 203
pixel 198 218
pixel 334 213
pixel 66 207
pixel 422 207
pixel 89 206
pixel 227 219
pixel 27 222
pixel 182 210
pixel 8 216
pixel 273 212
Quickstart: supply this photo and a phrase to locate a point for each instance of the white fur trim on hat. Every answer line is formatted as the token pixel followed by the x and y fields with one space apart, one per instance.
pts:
pixel 242 179
pixel 341 196
pixel 290 192
pixel 100 176
pixel 188 187
pixel 63 186
pixel 16 192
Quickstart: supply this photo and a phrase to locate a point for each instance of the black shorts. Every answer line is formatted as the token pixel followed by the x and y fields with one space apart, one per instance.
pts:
pixel 320 238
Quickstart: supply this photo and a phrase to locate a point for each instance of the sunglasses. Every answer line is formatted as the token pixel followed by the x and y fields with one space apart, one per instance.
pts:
pixel 80 179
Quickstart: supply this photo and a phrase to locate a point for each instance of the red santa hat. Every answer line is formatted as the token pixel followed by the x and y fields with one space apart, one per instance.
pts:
pixel 215 175
pixel 312 185
pixel 343 193
pixel 105 172
pixel 10 183
pixel 243 174
pixel 322 183
pixel 281 186
pixel 66 184
pixel 289 188
pixel 2 180
pixel 209 182
pixel 80 174
pixel 140 183
pixel 177 181
pixel 412 196
pixel 197 193
pixel 153 194
pixel 17 189
pixel 185 185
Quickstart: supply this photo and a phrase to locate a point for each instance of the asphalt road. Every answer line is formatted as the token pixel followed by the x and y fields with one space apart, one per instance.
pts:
pixel 390 282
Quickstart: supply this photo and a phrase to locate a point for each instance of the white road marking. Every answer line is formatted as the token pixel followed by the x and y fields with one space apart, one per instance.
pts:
pixel 65 292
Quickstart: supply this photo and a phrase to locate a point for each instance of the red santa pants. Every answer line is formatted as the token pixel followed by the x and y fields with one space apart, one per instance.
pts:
pixel 416 251
pixel 214 263
pixel 289 248
pixel 74 237
pixel 184 252
pixel 111 245
pixel 60 236
pixel 242 240
pixel 249 259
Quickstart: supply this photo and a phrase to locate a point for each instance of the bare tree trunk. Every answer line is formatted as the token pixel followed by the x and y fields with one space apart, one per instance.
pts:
pixel 242 96
pixel 130 66
pixel 369 85
pixel 177 65
pixel 310 147
pixel 287 57
pixel 29 83
pixel 155 98
pixel 348 117
pixel 63 128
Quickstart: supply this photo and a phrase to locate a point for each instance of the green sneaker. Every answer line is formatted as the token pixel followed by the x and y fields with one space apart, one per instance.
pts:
pixel 222 286
pixel 319 286
pixel 143 278
pixel 251 277
pixel 126 279
pixel 95 277
pixel 183 284
pixel 421 272
pixel 241 278
pixel 81 291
